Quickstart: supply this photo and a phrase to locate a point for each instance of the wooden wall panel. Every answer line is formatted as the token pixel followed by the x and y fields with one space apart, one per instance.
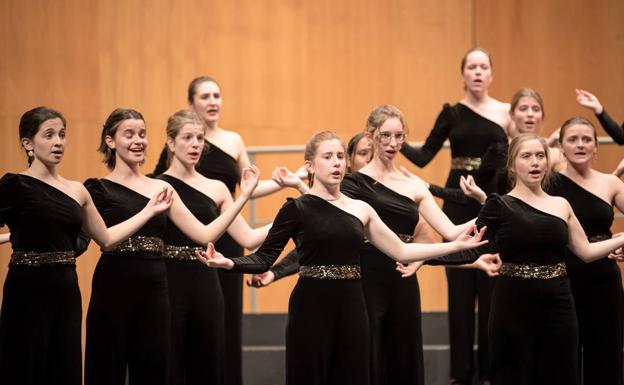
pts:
pixel 289 68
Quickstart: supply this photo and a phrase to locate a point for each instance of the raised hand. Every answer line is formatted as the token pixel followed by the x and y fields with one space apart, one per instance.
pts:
pixel 409 269
pixel 285 178
pixel 161 201
pixel 249 180
pixel 471 189
pixel 467 240
pixel 490 263
pixel 588 100
pixel 211 257
pixel 261 280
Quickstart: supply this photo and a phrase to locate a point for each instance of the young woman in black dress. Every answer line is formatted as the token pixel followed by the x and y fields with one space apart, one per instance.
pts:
pixel 533 327
pixel 223 158
pixel 473 125
pixel 327 338
pixel 194 291
pixel 128 321
pixel 41 313
pixel 596 286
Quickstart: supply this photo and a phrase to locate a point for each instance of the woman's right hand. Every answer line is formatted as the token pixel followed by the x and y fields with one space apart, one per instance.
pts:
pixel 261 280
pixel 489 263
pixel 212 258
pixel 589 100
pixel 471 189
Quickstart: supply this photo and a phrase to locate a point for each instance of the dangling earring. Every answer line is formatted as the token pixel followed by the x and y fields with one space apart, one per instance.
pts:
pixel 31 154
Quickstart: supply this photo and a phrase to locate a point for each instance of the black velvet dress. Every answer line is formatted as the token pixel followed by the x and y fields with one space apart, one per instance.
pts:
pixel 41 312
pixel 470 136
pixel 217 164
pixel 195 296
pixel 597 289
pixel 327 339
pixel 533 329
pixel 393 302
pixel 129 316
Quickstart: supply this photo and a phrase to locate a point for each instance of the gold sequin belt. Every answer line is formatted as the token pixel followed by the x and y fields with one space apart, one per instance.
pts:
pixel 331 272
pixel 139 243
pixel 32 258
pixel 533 270
pixel 404 237
pixel 598 238
pixel 181 253
pixel 464 163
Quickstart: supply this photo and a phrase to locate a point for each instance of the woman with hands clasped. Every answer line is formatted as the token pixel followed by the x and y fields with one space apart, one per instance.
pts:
pixel 129 317
pixel 327 334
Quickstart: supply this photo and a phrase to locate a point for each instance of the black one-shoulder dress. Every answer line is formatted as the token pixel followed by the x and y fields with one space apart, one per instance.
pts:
pixel 327 339
pixel 41 312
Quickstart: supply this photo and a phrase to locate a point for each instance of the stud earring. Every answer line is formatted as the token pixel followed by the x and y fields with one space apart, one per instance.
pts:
pixel 31 154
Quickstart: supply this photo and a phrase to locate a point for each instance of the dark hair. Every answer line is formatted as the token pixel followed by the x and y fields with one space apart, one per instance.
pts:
pixel 31 122
pixel 192 88
pixel 574 121
pixel 471 50
pixel 352 145
pixel 113 122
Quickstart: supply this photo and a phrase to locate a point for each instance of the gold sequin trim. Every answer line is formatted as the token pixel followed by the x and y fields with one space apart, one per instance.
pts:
pixel 533 270
pixel 403 237
pixel 31 258
pixel 331 272
pixel 598 238
pixel 138 243
pixel 182 253
pixel 467 164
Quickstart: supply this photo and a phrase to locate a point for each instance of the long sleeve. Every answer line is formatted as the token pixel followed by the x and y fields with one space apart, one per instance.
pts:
pixel 490 216
pixel 9 196
pixel 287 266
pixel 161 166
pixel 286 225
pixel 611 127
pixel 421 156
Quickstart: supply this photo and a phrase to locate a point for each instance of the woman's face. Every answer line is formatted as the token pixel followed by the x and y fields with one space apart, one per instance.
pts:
pixel 188 144
pixel 207 101
pixel 329 162
pixel 362 154
pixel 48 144
pixel 527 115
pixel 579 144
pixel 388 139
pixel 530 163
pixel 129 142
pixel 477 72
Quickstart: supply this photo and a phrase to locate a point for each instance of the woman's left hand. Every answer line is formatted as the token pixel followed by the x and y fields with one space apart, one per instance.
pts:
pixel 212 258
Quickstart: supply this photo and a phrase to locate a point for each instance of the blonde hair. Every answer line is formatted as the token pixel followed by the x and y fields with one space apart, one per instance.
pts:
pixel 380 114
pixel 175 124
pixel 313 145
pixel 514 149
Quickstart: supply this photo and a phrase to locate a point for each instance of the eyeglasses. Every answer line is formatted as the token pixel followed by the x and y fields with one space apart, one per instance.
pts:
pixel 386 137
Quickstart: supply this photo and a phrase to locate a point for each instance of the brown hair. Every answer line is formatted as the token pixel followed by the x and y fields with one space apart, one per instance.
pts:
pixel 312 146
pixel 529 93
pixel 471 50
pixel 574 121
pixel 514 149
pixel 175 124
pixel 192 88
pixel 110 127
pixel 31 121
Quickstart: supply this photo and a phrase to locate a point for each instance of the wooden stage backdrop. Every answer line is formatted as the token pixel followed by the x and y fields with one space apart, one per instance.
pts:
pixel 289 68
